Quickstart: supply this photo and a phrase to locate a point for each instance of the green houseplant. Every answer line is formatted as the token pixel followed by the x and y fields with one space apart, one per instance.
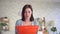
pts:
pixel 1 26
pixel 53 29
pixel 5 17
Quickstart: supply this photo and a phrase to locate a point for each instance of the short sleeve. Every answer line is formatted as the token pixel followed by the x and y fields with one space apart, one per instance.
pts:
pixel 36 22
pixel 18 23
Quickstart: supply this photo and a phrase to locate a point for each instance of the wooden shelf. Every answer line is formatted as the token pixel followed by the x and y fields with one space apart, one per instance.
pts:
pixel 6 21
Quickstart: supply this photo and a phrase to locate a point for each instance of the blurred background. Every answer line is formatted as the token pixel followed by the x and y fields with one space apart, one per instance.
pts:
pixel 50 9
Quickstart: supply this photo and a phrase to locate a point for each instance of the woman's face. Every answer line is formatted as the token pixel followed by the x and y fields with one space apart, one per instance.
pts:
pixel 27 13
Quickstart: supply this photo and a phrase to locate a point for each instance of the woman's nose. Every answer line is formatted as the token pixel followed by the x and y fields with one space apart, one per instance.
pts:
pixel 26 12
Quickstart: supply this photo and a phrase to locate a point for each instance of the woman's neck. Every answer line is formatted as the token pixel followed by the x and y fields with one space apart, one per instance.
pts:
pixel 27 20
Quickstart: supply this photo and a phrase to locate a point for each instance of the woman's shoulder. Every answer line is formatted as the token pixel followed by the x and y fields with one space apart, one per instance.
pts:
pixel 18 22
pixel 36 22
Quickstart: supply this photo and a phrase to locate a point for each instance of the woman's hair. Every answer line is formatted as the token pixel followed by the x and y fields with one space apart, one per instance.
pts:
pixel 23 11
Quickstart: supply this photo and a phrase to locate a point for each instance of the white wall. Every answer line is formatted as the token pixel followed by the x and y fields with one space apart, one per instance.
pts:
pixel 49 10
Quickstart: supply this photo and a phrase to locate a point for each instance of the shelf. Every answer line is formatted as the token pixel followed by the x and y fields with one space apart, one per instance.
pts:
pixel 5 21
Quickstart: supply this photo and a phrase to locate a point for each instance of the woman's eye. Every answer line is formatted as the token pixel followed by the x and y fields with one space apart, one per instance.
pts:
pixel 29 11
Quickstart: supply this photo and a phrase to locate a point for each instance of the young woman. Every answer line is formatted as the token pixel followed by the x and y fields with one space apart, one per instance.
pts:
pixel 27 17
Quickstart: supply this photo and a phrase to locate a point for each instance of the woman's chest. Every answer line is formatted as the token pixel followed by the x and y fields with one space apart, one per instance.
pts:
pixel 27 23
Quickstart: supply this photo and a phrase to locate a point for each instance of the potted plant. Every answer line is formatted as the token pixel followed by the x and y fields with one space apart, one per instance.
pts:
pixel 5 17
pixel 1 26
pixel 53 29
